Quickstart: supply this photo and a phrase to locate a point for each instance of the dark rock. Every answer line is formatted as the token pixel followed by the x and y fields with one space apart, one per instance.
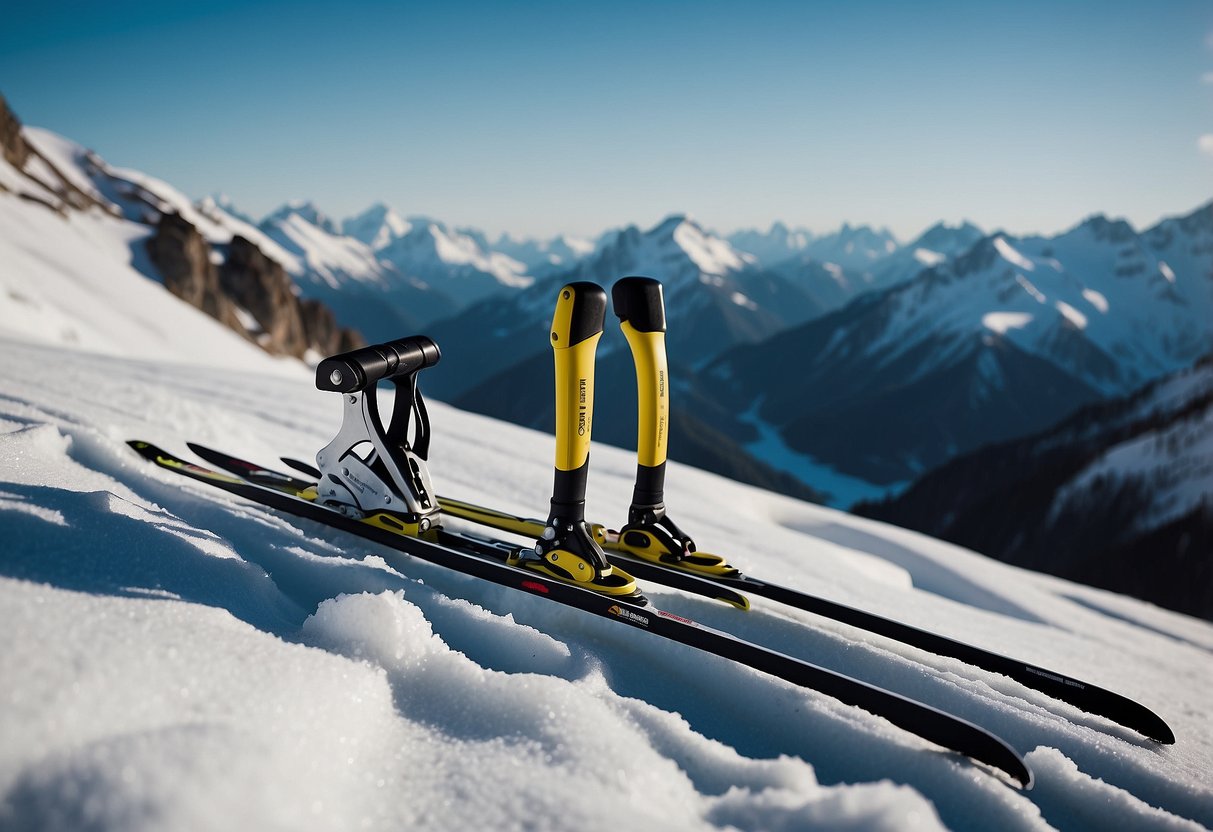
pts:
pixel 183 258
pixel 12 143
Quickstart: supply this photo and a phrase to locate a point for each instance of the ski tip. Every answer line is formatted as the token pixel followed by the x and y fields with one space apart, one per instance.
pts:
pixel 1156 728
pixel 145 449
pixel 1023 775
pixel 741 602
pixel 1007 759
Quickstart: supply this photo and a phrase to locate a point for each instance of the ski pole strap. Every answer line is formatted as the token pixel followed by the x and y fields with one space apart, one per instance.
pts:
pixel 576 328
pixel 359 369
pixel 640 306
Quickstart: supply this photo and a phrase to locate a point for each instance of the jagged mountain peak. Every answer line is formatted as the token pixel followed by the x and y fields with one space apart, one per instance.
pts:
pixel 775 245
pixel 943 235
pixel 225 203
pixel 1101 227
pixel 672 223
pixel 681 234
pixel 304 209
pixel 377 226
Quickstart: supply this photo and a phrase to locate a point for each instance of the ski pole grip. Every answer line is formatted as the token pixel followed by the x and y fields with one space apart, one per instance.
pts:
pixel 580 309
pixel 639 301
pixel 359 369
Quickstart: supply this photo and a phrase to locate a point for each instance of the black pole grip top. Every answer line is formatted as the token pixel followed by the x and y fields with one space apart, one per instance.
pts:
pixel 359 369
pixel 580 309
pixel 639 301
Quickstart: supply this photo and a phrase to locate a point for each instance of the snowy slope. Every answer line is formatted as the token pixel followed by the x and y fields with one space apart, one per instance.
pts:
pixel 775 245
pixel 81 278
pixel 176 659
pixel 934 246
pixel 853 247
pixel 542 257
pixel 456 262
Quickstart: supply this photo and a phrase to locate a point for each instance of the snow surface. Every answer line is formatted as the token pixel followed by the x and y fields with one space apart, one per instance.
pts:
pixel 1000 322
pixel 175 659
pixel 1008 253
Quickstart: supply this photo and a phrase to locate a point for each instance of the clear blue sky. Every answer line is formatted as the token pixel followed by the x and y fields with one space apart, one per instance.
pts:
pixel 574 117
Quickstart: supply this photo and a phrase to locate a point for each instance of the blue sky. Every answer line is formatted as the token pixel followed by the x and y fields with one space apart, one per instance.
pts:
pixel 541 118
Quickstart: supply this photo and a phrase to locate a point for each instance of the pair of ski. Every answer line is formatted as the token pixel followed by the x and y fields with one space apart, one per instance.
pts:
pixel 374 482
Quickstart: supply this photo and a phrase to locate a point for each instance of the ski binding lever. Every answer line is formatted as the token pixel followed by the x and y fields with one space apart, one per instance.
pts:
pixel 368 471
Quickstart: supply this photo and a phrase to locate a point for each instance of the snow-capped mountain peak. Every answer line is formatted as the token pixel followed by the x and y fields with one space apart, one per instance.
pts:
pixel 306 210
pixel 948 239
pixel 376 226
pixel 454 260
pixel 710 253
pixel 548 255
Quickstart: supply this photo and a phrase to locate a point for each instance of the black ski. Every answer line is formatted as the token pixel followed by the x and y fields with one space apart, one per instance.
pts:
pixel 1088 697
pixel 1084 695
pixel 487 561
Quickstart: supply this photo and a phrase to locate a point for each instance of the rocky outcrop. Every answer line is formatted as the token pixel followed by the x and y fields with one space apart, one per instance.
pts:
pixel 183 258
pixel 50 188
pixel 260 286
pixel 224 284
pixel 322 330
pixel 289 325
pixel 12 143
pixel 245 280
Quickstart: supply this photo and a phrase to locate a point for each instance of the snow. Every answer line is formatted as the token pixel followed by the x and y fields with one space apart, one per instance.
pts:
pixel 1100 301
pixel 329 258
pixel 711 254
pixel 740 299
pixel 1028 287
pixel 929 258
pixel 1097 300
pixel 1000 322
pixel 1008 253
pixel 1071 314
pixel 81 280
pixel 836 272
pixel 65 155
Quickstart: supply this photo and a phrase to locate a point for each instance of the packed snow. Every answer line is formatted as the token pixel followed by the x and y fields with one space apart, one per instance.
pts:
pixel 1000 322
pixel 1008 253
